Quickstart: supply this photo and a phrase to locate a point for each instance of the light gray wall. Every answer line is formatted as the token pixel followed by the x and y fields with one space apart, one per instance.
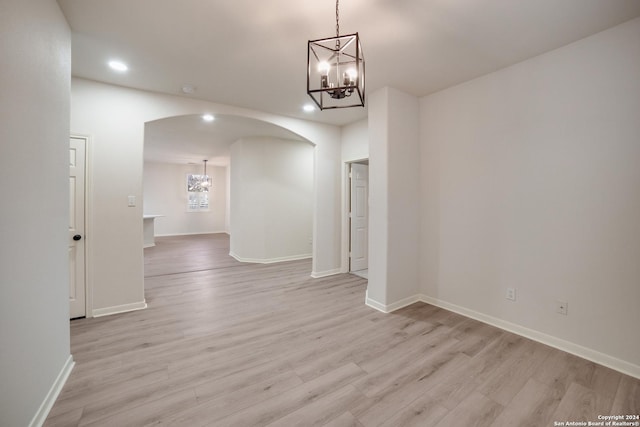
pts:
pixel 165 193
pixel 114 118
pixel 355 141
pixel 394 215
pixel 271 199
pixel 35 75
pixel 530 179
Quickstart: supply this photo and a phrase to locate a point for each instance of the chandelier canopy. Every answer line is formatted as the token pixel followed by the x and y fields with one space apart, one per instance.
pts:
pixel 335 70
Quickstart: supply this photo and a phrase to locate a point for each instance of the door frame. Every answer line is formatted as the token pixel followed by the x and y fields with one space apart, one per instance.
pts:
pixel 346 196
pixel 88 191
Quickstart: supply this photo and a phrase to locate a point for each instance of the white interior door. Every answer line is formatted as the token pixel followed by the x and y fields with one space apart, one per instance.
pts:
pixel 359 217
pixel 77 305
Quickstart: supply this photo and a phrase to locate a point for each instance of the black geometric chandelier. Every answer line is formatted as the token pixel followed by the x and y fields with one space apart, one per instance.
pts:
pixel 335 70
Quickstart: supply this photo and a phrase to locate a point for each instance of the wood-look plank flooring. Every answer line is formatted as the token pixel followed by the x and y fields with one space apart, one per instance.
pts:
pixel 225 343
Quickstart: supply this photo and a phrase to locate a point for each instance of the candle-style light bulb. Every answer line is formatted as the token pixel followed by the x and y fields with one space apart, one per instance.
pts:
pixel 353 74
pixel 323 68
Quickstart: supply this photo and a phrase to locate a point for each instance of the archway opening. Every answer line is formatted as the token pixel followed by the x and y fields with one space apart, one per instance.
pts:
pixel 262 191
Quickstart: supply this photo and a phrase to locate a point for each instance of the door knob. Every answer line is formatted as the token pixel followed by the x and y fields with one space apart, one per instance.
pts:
pixel 77 237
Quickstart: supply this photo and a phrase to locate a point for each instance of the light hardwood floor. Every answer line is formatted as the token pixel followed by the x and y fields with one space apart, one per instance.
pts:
pixel 225 343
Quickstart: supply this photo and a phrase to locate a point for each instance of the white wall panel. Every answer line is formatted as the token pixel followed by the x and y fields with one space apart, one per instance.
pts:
pixel 35 45
pixel 271 199
pixel 530 180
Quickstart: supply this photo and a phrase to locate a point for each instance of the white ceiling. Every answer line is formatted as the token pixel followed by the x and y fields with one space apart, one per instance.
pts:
pixel 252 54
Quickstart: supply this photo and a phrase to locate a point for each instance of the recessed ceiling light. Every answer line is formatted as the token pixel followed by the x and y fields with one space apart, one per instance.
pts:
pixel 188 89
pixel 308 108
pixel 208 118
pixel 118 66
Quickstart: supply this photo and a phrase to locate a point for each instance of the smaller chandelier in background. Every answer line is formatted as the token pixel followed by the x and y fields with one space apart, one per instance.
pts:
pixel 199 183
pixel 335 70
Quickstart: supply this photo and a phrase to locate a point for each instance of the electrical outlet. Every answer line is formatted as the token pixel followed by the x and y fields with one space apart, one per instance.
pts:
pixel 562 307
pixel 511 294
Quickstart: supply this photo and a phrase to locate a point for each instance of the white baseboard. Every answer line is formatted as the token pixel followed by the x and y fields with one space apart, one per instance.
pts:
pixel 99 312
pixel 191 234
pixel 270 260
pixel 391 307
pixel 44 409
pixel 319 274
pixel 370 302
pixel 555 342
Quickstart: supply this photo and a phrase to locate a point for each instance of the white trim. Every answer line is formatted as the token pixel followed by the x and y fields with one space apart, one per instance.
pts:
pixel 88 202
pixel 373 303
pixel 391 307
pixel 575 349
pixel 344 240
pixel 595 356
pixel 99 312
pixel 319 274
pixel 345 207
pixel 46 405
pixel 316 208
pixel 191 234
pixel 270 260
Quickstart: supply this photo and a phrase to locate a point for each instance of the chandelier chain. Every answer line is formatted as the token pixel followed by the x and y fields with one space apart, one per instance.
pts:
pixel 337 19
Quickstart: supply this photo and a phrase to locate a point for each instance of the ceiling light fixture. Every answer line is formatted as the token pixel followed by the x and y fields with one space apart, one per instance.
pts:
pixel 208 118
pixel 206 181
pixel 335 70
pixel 188 89
pixel 118 66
